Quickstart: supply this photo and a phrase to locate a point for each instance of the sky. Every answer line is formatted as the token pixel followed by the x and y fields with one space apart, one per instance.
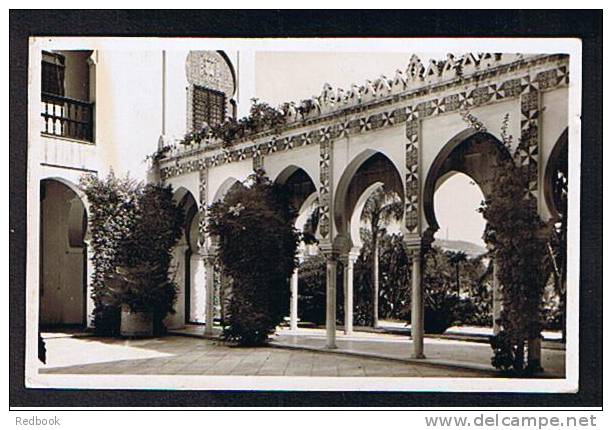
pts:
pixel 293 76
pixel 458 218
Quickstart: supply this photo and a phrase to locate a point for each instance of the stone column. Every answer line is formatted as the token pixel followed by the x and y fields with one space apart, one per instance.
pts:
pixel 534 354
pixel 497 300
pixel 348 262
pixel 197 303
pixel 330 318
pixel 89 305
pixel 417 312
pixel 293 305
pixel 177 320
pixel 209 267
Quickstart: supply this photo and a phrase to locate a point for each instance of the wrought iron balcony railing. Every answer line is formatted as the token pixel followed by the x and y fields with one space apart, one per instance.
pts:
pixel 66 117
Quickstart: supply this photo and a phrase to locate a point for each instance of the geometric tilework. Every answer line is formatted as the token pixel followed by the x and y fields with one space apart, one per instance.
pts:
pixel 258 162
pixel 325 178
pixel 528 147
pixel 203 177
pixel 411 210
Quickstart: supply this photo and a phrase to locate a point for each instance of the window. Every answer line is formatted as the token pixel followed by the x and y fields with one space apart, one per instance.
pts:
pixel 53 72
pixel 208 107
pixel 65 107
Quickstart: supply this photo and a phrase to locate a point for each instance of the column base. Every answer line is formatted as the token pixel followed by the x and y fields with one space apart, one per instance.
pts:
pixel 331 347
pixel 418 356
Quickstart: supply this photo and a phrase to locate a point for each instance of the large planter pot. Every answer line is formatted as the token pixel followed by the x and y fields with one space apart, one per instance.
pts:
pixel 136 324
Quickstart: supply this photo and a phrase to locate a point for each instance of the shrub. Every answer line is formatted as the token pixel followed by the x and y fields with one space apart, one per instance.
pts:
pixel 257 248
pixel 133 230
pixel 312 291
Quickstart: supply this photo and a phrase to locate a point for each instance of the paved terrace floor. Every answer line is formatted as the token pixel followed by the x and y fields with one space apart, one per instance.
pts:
pixel 299 353
pixel 463 348
pixel 182 355
pixel 441 351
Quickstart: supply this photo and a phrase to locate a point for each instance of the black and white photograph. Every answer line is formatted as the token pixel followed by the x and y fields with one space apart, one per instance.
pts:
pixel 303 214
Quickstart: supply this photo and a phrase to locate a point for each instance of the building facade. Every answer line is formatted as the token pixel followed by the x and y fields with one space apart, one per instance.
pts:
pixel 103 110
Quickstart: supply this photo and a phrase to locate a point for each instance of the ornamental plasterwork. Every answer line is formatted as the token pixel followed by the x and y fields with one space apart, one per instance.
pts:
pixel 178 163
pixel 210 69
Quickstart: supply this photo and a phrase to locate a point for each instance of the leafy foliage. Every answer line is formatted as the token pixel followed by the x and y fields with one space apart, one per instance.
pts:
pixel 517 236
pixel 444 305
pixel 312 290
pixel 257 248
pixel 133 230
pixel 382 207
pixel 261 117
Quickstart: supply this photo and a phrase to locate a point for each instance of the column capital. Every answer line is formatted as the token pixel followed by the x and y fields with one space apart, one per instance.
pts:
pixel 330 251
pixel 417 245
pixel 351 256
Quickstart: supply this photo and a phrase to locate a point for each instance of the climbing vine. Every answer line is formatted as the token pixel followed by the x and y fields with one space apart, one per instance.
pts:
pixel 518 238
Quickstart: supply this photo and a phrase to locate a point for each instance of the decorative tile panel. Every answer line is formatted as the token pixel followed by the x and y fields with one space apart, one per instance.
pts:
pixel 325 190
pixel 528 148
pixel 411 212
pixel 203 178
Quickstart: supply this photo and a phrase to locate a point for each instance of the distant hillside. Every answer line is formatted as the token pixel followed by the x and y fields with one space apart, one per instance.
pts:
pixel 471 249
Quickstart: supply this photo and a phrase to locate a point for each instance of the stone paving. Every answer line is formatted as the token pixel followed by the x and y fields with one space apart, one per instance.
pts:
pixel 180 355
pixel 460 353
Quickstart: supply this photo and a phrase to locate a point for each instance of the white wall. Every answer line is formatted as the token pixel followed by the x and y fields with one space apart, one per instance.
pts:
pixel 129 95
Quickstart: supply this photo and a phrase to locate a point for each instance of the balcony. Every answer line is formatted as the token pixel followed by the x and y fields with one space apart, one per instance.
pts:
pixel 67 118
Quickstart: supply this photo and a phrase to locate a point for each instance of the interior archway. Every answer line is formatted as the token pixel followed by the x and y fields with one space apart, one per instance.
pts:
pixel 298 183
pixel 365 174
pixel 63 225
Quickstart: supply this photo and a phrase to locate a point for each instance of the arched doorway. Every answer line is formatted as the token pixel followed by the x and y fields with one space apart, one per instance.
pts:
pixel 63 254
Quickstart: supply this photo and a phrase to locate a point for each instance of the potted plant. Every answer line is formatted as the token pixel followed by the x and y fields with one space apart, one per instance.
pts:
pixel 144 296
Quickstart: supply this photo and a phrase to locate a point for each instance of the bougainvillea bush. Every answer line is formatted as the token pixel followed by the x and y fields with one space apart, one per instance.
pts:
pixel 257 248
pixel 133 229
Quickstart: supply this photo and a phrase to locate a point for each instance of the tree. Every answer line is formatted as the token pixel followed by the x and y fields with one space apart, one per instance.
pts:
pixel 456 258
pixel 257 249
pixel 380 209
